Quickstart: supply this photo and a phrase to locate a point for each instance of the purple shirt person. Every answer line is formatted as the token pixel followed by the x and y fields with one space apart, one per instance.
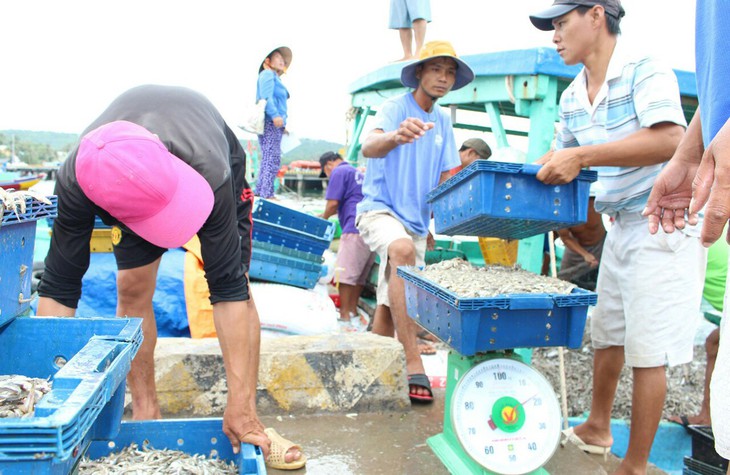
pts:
pixel 354 257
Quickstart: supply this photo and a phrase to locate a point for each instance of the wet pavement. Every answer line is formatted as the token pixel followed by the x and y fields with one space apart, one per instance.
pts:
pixel 395 444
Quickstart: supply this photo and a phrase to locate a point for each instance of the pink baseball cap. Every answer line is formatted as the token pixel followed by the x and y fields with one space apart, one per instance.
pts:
pixel 127 171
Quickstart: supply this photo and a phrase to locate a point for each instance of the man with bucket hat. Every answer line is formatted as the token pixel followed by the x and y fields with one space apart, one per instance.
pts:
pixel 411 150
pixel 622 115
pixel 160 165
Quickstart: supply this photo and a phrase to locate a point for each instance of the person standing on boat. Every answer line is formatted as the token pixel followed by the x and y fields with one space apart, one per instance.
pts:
pixel 622 115
pixel 354 257
pixel 160 165
pixel 410 18
pixel 411 150
pixel 699 176
pixel 270 88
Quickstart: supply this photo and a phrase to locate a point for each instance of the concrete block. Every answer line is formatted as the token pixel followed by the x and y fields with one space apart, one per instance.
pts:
pixel 342 373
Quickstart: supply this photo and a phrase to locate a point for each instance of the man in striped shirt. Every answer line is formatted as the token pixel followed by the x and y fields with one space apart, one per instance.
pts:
pixel 622 115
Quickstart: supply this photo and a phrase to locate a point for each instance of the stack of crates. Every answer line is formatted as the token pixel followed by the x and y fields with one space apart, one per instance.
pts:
pixel 705 459
pixel 85 359
pixel 288 245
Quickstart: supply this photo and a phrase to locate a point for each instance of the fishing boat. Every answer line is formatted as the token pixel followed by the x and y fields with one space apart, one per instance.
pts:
pixel 12 181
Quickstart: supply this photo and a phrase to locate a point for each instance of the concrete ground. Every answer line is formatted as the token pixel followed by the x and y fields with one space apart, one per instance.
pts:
pixel 391 443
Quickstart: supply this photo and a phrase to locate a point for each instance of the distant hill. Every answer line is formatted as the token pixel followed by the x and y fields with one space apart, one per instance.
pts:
pixel 310 149
pixel 56 140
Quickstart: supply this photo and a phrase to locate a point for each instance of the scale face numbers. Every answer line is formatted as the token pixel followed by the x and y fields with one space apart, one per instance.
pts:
pixel 506 416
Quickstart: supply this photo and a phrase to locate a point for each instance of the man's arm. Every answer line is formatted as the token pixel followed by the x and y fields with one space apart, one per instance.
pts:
pixel 574 245
pixel 330 208
pixel 379 143
pixel 648 146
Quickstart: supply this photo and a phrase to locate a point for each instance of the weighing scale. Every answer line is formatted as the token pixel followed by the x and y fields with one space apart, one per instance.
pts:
pixel 501 416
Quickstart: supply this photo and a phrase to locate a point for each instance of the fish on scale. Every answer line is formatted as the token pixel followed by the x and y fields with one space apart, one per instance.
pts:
pixel 19 394
pixel 469 281
pixel 133 460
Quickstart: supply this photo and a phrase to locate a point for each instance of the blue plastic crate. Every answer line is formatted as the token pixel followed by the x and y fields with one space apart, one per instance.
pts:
pixel 88 360
pixel 279 225
pixel 287 251
pixel 476 325
pixel 506 200
pixel 17 240
pixel 192 436
pixel 281 267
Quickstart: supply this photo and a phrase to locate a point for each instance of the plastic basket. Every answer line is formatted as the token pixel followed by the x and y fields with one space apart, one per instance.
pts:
pixel 17 239
pixel 703 447
pixel 192 436
pixel 475 325
pixel 498 251
pixel 88 360
pixel 439 254
pixel 282 265
pixel 276 224
pixel 695 467
pixel 506 200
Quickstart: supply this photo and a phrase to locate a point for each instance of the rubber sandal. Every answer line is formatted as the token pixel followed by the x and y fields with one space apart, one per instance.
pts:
pixel 684 422
pixel 421 380
pixel 279 447
pixel 578 442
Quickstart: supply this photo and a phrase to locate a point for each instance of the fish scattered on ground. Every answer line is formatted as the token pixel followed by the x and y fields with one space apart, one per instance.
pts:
pixel 468 281
pixel 19 395
pixel 135 461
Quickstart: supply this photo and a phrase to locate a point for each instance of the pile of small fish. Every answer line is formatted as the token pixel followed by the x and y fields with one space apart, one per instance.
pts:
pixel 19 394
pixel 468 281
pixel 135 461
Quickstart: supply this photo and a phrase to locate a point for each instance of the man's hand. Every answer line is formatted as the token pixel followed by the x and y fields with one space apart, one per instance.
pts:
pixel 559 167
pixel 591 260
pixel 712 186
pixel 239 426
pixel 411 130
pixel 670 197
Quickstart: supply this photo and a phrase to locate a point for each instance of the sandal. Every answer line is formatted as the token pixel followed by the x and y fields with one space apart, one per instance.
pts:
pixel 279 447
pixel 420 380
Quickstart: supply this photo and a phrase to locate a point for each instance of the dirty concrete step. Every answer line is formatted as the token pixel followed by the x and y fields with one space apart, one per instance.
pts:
pixel 357 372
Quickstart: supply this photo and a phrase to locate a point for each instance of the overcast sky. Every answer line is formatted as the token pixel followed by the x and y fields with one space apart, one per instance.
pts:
pixel 65 61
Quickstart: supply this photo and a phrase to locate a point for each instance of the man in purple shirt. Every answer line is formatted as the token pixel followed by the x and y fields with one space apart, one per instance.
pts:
pixel 354 257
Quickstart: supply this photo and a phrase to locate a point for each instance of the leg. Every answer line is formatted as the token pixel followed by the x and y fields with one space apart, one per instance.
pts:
pixel 712 344
pixel 419 32
pixel 403 252
pixel 607 365
pixel 349 295
pixel 647 402
pixel 383 321
pixel 135 288
pixel 270 144
pixel 406 40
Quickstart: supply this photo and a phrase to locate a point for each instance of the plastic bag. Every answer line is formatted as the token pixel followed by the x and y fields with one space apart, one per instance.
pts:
pixel 254 118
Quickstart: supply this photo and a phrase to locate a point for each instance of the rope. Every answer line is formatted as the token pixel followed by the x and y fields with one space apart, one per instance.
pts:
pixel 561 350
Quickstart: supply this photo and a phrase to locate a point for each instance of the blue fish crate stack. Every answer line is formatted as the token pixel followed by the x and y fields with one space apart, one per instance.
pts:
pixel 505 200
pixel 502 200
pixel 477 325
pixel 85 360
pixel 288 245
pixel 191 436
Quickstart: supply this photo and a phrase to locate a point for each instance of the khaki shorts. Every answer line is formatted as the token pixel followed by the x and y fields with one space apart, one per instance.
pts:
pixel 649 291
pixel 354 260
pixel 379 229
pixel 719 394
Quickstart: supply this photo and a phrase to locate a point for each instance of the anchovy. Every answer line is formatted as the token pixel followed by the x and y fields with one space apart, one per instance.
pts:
pixel 20 394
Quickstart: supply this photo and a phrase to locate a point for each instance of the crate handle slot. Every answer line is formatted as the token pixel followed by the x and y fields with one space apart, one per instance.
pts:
pixel 531 302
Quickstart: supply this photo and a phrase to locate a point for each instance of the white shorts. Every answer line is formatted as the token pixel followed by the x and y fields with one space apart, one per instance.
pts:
pixel 649 291
pixel 404 12
pixel 379 229
pixel 719 394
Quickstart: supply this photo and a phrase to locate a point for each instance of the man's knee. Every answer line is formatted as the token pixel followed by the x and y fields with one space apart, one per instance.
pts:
pixel 132 285
pixel 402 252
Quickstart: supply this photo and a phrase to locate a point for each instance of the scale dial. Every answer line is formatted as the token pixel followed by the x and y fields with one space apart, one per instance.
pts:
pixel 506 416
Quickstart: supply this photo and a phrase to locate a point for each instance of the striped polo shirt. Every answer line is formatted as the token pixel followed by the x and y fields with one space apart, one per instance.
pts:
pixel 638 92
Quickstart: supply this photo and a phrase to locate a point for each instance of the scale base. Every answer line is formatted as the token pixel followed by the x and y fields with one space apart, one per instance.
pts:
pixel 456 461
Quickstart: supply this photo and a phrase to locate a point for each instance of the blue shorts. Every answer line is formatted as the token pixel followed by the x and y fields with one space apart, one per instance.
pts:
pixel 404 12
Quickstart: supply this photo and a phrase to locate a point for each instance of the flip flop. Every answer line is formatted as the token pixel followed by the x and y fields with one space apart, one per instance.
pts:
pixel 578 442
pixel 279 447
pixel 421 380
pixel 684 422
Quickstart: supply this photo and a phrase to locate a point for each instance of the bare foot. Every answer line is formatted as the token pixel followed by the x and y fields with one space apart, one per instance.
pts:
pixel 593 435
pixel 426 348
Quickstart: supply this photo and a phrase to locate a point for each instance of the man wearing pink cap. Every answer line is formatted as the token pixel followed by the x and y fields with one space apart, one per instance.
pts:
pixel 160 165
